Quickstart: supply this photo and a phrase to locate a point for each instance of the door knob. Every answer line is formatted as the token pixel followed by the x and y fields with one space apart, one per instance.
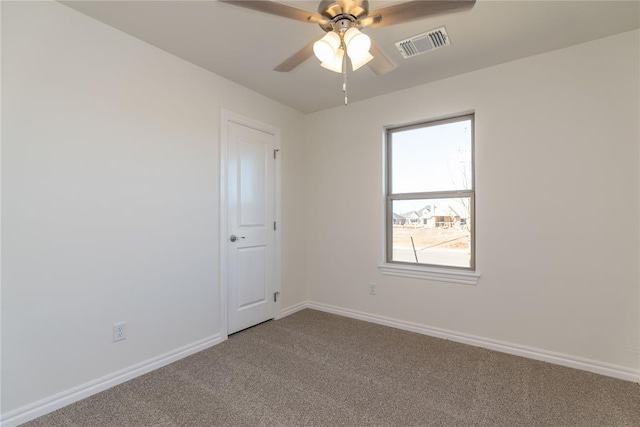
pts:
pixel 233 237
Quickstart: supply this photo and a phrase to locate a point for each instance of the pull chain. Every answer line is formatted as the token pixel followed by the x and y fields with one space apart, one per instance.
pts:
pixel 344 78
pixel 344 71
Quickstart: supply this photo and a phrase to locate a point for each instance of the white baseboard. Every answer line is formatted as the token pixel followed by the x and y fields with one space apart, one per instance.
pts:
pixel 57 401
pixel 292 309
pixel 601 368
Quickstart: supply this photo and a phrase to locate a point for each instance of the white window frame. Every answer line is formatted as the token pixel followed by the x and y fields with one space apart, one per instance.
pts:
pixel 450 274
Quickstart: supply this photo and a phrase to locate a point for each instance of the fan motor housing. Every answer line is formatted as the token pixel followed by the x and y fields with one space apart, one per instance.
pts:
pixel 331 8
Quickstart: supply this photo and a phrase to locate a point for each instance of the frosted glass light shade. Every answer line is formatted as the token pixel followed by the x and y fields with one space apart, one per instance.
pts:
pixel 359 62
pixel 358 44
pixel 335 64
pixel 326 48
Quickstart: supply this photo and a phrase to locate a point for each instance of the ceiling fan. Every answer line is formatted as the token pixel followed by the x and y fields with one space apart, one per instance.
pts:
pixel 342 21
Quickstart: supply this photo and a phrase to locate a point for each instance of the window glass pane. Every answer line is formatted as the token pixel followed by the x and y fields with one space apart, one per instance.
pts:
pixel 432 158
pixel 432 231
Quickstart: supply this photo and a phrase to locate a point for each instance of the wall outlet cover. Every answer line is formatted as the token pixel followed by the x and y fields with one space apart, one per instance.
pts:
pixel 119 331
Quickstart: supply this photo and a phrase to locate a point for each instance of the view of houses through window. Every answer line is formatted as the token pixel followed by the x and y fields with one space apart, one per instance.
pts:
pixel 430 193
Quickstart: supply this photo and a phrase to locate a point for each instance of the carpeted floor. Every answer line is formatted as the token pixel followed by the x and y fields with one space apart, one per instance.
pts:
pixel 318 369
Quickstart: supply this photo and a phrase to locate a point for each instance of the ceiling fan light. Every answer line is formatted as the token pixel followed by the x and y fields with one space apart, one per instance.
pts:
pixel 358 44
pixel 359 62
pixel 327 47
pixel 335 64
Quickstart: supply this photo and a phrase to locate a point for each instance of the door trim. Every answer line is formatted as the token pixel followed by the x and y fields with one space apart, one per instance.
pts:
pixel 226 117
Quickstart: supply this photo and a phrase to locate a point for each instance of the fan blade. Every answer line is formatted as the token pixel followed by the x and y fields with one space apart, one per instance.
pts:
pixel 277 9
pixel 380 64
pixel 370 20
pixel 352 7
pixel 296 59
pixel 313 19
pixel 345 5
pixel 418 9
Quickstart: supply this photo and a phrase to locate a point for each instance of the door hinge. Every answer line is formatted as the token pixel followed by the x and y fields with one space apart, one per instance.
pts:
pixel 275 296
pixel 274 226
pixel 275 152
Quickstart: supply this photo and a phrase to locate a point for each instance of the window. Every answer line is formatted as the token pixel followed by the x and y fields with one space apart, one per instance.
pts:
pixel 430 197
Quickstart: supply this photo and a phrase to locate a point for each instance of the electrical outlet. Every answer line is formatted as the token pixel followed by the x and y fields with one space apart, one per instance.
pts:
pixel 119 331
pixel 372 288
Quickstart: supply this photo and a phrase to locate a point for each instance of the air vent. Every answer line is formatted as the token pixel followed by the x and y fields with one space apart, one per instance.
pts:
pixel 423 42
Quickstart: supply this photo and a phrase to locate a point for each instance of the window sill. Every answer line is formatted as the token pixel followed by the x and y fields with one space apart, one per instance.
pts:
pixel 430 273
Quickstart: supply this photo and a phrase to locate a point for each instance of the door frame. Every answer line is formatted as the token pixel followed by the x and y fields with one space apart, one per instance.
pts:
pixel 227 116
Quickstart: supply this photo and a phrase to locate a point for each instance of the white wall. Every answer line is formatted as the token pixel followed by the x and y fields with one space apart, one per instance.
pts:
pixel 557 204
pixel 110 199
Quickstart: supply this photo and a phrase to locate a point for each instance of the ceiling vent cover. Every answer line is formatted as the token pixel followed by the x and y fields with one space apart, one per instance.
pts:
pixel 423 42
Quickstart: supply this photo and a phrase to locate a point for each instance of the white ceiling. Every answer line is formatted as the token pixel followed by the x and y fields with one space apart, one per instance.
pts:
pixel 244 45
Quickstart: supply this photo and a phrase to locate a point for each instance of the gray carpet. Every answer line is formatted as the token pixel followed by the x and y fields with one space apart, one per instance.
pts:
pixel 318 369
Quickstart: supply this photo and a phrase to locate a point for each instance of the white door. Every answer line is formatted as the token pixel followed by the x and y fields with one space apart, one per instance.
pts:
pixel 250 226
